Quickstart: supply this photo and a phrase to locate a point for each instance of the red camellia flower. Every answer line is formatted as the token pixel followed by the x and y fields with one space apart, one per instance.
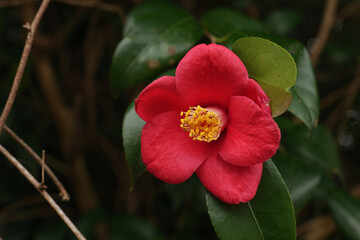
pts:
pixel 210 119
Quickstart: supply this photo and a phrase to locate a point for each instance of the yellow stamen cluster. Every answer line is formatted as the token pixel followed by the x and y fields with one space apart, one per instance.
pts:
pixel 202 124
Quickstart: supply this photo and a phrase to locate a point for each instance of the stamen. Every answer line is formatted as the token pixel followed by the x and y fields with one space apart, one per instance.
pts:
pixel 202 124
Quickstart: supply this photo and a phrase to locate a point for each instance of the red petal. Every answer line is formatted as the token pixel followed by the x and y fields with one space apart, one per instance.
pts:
pixel 209 75
pixel 168 151
pixel 158 97
pixel 252 136
pixel 257 94
pixel 231 184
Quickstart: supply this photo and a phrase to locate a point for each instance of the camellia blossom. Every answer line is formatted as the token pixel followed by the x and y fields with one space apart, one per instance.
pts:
pixel 212 119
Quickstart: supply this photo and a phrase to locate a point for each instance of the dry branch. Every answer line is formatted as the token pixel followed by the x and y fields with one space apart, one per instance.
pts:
pixel 43 192
pixel 326 25
pixel 63 193
pixel 25 55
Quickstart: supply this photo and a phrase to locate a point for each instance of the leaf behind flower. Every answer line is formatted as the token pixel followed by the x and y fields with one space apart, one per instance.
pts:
pixel 269 215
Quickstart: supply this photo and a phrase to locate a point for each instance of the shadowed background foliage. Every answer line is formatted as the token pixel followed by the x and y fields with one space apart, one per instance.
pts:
pixel 65 106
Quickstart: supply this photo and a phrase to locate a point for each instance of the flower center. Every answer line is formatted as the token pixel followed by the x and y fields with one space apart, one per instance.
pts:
pixel 203 124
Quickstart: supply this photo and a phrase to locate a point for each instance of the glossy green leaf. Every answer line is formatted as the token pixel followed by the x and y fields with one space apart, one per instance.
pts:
pixel 132 127
pixel 301 178
pixel 346 211
pixel 315 146
pixel 305 104
pixel 271 66
pixel 221 21
pixel 305 98
pixel 269 215
pixel 157 34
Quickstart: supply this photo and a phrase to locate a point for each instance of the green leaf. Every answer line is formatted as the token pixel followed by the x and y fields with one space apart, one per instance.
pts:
pixel 270 215
pixel 271 66
pixel 221 21
pixel 305 104
pixel 157 34
pixel 315 146
pixel 132 127
pixel 301 178
pixel 305 98
pixel 346 212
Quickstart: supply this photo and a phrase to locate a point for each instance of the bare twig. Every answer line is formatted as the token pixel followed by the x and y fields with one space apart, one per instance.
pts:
pixel 63 193
pixel 326 25
pixel 42 183
pixel 22 64
pixel 42 167
pixel 350 9
pixel 43 192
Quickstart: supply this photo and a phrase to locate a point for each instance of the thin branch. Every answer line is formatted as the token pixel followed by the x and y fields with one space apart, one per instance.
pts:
pixel 42 167
pixel 349 10
pixel 326 25
pixel 43 170
pixel 63 193
pixel 43 192
pixel 23 61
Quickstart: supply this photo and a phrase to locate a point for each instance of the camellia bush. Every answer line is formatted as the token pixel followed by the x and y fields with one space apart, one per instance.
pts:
pixel 219 113
pixel 209 119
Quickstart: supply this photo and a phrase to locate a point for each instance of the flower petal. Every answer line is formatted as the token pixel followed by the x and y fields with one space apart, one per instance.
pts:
pixel 158 97
pixel 209 75
pixel 231 184
pixel 168 152
pixel 252 136
pixel 257 94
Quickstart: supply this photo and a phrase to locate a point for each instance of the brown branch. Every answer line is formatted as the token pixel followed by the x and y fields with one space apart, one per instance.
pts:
pixel 43 192
pixel 349 10
pixel 43 167
pixel 63 193
pixel 66 123
pixel 23 61
pixel 326 25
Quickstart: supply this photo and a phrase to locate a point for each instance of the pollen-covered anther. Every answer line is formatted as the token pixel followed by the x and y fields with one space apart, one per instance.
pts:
pixel 202 124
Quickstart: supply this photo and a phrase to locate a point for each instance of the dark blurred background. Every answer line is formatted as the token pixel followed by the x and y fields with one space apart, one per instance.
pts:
pixel 64 106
